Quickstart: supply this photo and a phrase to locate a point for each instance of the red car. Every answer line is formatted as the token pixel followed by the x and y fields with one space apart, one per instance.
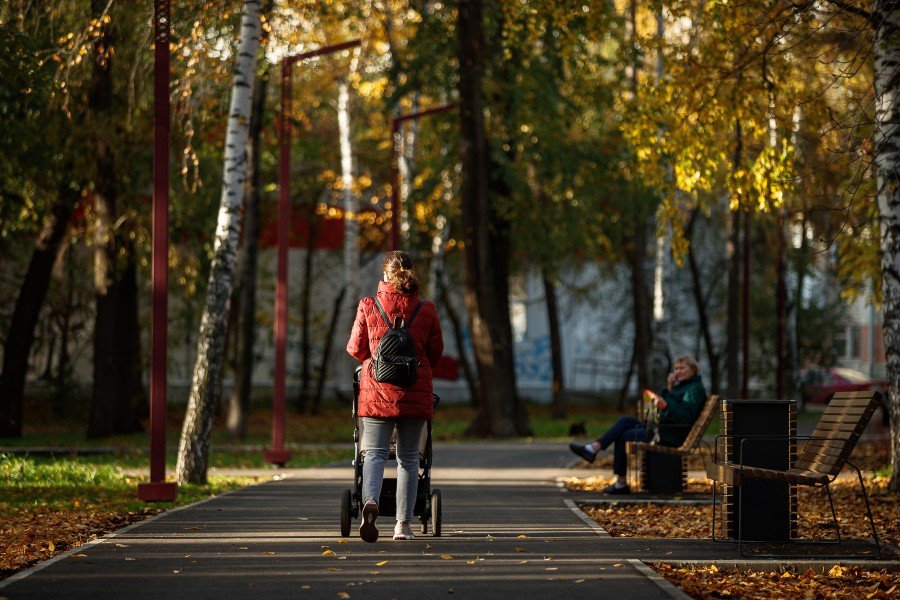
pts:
pixel 839 379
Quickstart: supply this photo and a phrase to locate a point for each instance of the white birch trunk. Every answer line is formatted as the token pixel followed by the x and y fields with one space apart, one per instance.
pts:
pixel 887 160
pixel 193 450
pixel 351 202
pixel 407 168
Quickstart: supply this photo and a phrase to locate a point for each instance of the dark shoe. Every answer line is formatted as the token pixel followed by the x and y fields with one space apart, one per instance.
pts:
pixel 581 451
pixel 612 489
pixel 367 531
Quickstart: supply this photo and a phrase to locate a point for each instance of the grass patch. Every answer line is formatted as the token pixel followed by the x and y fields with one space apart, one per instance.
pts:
pixel 67 483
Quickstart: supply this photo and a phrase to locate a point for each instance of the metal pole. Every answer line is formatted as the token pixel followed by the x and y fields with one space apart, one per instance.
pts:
pixel 395 165
pixel 277 454
pixel 157 489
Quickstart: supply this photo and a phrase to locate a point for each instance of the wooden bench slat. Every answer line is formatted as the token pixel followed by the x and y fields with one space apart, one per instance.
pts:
pixel 866 394
pixel 848 403
pixel 850 413
pixel 838 426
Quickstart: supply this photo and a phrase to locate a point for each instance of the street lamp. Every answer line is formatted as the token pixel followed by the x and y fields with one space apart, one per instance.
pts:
pixel 395 165
pixel 277 454
pixel 157 489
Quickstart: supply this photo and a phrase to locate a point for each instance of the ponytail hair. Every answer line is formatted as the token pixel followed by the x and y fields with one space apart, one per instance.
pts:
pixel 398 268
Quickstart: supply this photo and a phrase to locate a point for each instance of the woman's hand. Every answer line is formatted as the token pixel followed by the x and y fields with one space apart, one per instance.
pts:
pixel 660 403
pixel 670 381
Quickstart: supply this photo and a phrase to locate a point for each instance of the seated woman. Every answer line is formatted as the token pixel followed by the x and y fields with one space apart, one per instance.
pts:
pixel 679 406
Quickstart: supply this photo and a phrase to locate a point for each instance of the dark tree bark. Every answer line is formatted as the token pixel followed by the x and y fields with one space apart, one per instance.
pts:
pixel 702 309
pixel 558 400
pixel 32 293
pixel 113 387
pixel 486 235
pixel 636 254
pixel 248 258
pixel 305 295
pixel 780 307
pixel 734 282
pixel 329 340
pixel 457 327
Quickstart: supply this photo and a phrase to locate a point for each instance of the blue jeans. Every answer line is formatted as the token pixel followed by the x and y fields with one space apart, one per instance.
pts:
pixel 625 429
pixel 377 441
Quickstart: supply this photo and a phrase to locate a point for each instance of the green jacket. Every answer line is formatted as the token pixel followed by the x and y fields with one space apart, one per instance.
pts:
pixel 685 401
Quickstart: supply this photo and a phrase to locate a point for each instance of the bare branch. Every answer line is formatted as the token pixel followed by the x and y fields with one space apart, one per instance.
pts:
pixel 851 9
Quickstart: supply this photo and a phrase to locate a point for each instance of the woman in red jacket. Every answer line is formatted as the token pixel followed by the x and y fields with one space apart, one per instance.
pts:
pixel 384 406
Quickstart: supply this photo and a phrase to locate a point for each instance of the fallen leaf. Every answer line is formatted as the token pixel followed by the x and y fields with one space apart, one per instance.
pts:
pixel 617 565
pixel 270 554
pixel 381 564
pixel 446 557
pixel 520 549
pixel 551 568
pixel 836 571
pixel 522 536
pixel 343 595
pixel 328 553
pixel 128 558
pixel 470 562
pixel 176 571
pixel 333 569
pixel 579 581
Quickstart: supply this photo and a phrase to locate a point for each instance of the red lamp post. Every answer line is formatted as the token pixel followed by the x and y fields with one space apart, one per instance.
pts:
pixel 395 165
pixel 157 489
pixel 277 454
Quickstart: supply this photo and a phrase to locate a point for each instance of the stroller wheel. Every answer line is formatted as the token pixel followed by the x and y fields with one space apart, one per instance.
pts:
pixel 345 514
pixel 435 513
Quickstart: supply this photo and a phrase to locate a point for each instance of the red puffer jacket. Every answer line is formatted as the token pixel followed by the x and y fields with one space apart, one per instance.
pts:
pixel 384 399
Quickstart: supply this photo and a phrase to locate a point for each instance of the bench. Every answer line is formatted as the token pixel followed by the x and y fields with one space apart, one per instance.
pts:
pixel 823 457
pixel 661 469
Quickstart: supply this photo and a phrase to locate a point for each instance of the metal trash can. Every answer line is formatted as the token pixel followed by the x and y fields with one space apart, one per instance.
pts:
pixel 770 507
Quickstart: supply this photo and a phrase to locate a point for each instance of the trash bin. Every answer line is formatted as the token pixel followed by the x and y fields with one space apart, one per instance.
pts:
pixel 770 507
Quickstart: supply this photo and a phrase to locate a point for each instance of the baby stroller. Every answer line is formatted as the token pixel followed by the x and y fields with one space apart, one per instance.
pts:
pixel 428 501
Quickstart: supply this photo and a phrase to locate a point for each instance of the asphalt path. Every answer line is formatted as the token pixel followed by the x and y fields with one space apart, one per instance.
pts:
pixel 509 531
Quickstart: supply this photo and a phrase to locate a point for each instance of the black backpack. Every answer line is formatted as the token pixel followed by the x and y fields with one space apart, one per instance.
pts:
pixel 395 359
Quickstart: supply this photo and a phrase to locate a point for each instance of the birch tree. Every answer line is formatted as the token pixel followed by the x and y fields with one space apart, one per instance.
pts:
pixel 193 451
pixel 885 18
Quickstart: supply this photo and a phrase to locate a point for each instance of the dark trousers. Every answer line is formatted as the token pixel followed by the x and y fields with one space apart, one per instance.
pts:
pixel 625 429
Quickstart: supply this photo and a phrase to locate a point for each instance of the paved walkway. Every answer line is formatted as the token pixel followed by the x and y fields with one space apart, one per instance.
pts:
pixel 509 531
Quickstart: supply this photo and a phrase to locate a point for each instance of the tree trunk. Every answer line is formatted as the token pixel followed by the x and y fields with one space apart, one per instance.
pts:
pixel 636 253
pixel 193 451
pixel 109 407
pixel 351 202
pixel 558 401
pixel 128 347
pixel 700 300
pixel 239 400
pixel 886 18
pixel 732 326
pixel 486 236
pixel 20 336
pixel 457 327
pixel 305 294
pixel 326 353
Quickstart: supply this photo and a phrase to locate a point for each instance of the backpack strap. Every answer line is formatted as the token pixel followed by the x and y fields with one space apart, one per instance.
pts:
pixel 387 319
pixel 383 314
pixel 413 315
